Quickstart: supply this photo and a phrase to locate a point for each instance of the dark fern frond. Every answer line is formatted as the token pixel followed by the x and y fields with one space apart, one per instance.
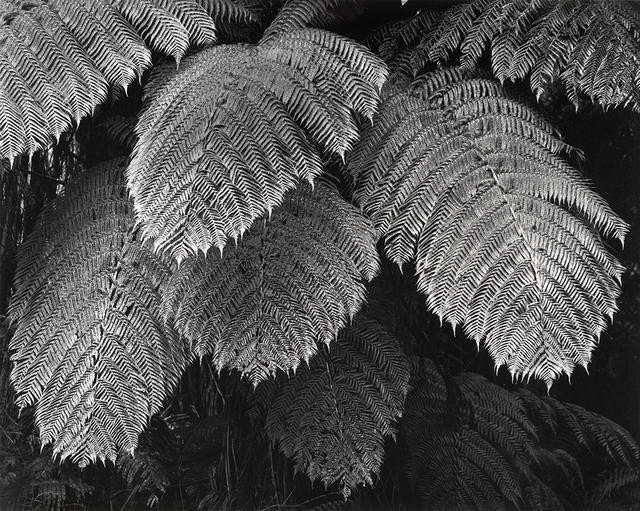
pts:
pixel 220 140
pixel 333 415
pixel 89 349
pixel 617 490
pixel 592 47
pixel 144 472
pixel 474 445
pixel 586 434
pixel 471 184
pixel 291 284
pixel 121 129
pixel 58 57
pixel 469 444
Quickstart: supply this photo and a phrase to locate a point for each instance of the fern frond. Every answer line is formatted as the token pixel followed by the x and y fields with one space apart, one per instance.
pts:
pixel 618 490
pixel 292 283
pixel 333 415
pixel 474 445
pixel 297 14
pixel 121 130
pixel 58 57
pixel 592 47
pixel 89 348
pixel 471 184
pixel 468 445
pixel 220 141
pixel 143 471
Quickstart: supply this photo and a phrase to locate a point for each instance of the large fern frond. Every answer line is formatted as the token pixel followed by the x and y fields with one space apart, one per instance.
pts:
pixel 89 348
pixel 471 184
pixel 220 140
pixel 58 57
pixel 592 47
pixel 292 283
pixel 474 445
pixel 333 415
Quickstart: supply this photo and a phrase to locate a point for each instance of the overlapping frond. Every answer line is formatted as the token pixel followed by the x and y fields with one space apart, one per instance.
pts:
pixel 292 283
pixel 472 186
pixel 221 140
pixel 474 445
pixel 58 57
pixel 297 14
pixel 333 415
pixel 592 47
pixel 89 349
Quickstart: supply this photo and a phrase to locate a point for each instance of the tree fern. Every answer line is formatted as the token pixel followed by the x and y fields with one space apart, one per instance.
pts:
pixel 220 140
pixel 292 283
pixel 591 46
pixel 333 415
pixel 89 348
pixel 471 184
pixel 58 58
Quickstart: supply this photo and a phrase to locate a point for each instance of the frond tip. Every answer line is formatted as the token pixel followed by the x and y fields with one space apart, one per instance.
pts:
pixel 291 284
pixel 89 348
pixel 470 183
pixel 332 417
pixel 221 140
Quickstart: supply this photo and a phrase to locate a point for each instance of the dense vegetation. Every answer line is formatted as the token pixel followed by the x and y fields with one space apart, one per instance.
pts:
pixel 247 246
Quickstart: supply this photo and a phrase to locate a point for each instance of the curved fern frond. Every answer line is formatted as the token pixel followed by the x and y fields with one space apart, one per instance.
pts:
pixel 58 57
pixel 475 445
pixel 89 348
pixel 220 141
pixel 618 490
pixel 592 47
pixel 586 434
pixel 471 184
pixel 469 446
pixel 333 415
pixel 297 14
pixel 292 283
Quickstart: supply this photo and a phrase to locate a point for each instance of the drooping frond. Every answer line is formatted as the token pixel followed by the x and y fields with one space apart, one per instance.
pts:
pixel 592 47
pixel 291 283
pixel 474 445
pixel 144 472
pixel 58 57
pixel 472 186
pixel 585 434
pixel 333 415
pixel 221 140
pixel 89 349
pixel 618 490
pixel 466 451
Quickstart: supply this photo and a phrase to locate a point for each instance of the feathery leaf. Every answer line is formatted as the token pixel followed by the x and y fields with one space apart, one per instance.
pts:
pixel 292 283
pixel 471 184
pixel 333 415
pixel 89 348
pixel 58 57
pixel 220 140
